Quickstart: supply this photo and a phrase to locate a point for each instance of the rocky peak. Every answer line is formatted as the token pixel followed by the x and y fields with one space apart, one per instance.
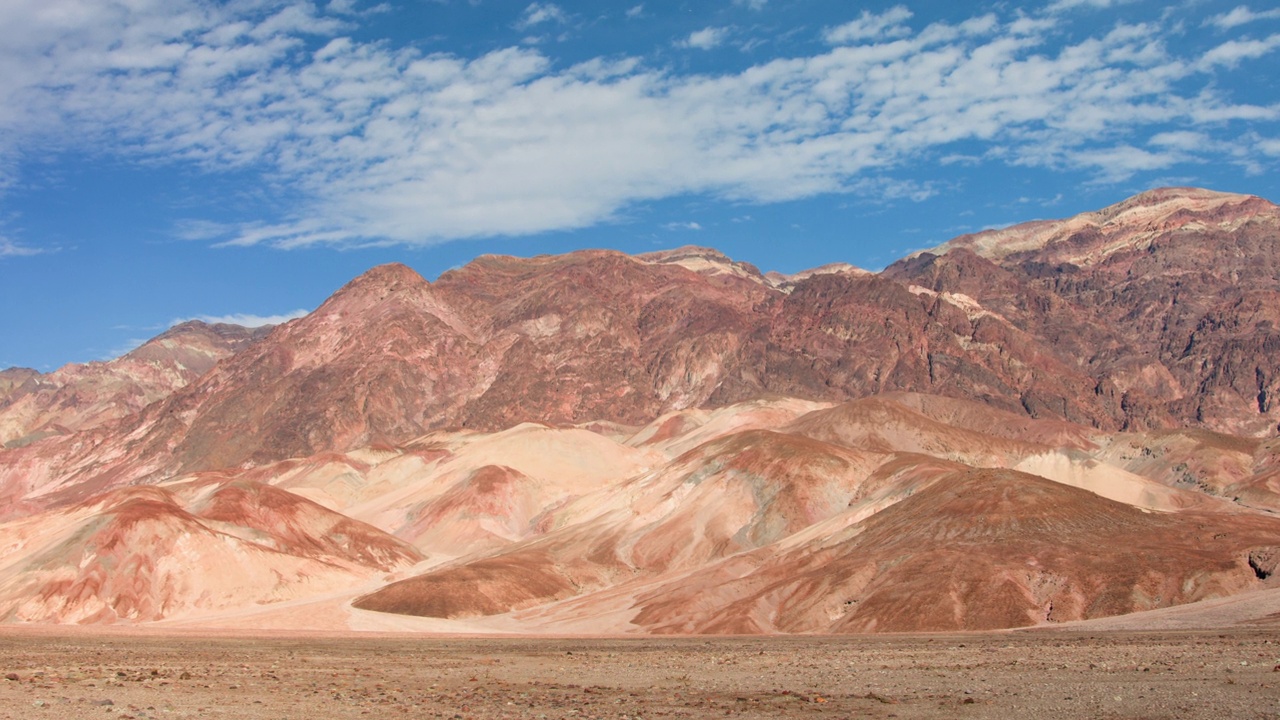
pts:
pixel 787 283
pixel 1092 237
pixel 15 377
pixel 1162 202
pixel 379 283
pixel 704 261
pixel 214 340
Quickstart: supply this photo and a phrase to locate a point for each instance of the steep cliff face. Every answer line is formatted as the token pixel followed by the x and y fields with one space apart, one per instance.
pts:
pixel 1168 299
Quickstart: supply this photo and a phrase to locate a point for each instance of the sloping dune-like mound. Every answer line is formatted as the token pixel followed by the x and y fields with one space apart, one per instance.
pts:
pixel 138 555
pixel 485 587
pixel 732 494
pixel 884 426
pixel 285 522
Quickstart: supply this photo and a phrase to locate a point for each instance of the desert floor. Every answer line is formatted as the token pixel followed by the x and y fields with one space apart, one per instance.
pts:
pixel 76 674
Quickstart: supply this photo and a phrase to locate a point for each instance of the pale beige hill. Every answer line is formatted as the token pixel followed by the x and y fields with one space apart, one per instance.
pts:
pixel 884 425
pixel 478 491
pixel 732 494
pixel 678 432
pixel 453 493
pixel 1259 609
pixel 1237 469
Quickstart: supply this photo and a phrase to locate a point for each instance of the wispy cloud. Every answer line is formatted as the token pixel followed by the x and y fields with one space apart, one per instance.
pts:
pixel 1241 15
pixel 706 38
pixel 123 348
pixel 541 13
pixel 871 26
pixel 9 248
pixel 389 145
pixel 244 319
pixel 1063 5
pixel 1233 52
pixel 682 226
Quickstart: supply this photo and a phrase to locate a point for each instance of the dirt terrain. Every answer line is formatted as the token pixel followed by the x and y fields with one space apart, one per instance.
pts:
pixel 65 674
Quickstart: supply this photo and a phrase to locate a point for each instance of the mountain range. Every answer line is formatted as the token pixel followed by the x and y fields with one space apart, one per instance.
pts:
pixel 1055 421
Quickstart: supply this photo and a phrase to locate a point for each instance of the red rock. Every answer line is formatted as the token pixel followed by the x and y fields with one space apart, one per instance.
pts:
pixel 1130 352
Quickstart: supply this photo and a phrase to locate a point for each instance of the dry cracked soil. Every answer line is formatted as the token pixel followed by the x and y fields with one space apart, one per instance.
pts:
pixel 65 675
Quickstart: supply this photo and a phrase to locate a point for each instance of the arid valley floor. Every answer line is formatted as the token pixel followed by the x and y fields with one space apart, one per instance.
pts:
pixel 1040 674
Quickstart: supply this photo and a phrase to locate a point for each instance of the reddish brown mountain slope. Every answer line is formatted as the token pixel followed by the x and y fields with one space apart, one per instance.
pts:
pixel 1169 298
pixel 978 550
pixel 78 397
pixel 1106 380
pixel 1168 321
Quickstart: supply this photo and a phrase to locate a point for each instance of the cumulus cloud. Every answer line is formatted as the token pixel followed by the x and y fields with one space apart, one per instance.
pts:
pixel 705 39
pixel 869 26
pixel 392 145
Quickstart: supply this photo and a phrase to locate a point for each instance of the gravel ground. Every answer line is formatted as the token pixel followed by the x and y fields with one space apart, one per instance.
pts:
pixel 64 675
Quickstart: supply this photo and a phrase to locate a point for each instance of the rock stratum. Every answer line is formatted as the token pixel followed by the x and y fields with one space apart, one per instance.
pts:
pixel 1052 422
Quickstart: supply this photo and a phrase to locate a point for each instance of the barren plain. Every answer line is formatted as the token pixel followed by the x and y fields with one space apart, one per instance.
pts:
pixel 63 673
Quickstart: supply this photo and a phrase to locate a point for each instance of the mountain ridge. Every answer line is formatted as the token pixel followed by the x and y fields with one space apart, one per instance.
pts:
pixel 678 442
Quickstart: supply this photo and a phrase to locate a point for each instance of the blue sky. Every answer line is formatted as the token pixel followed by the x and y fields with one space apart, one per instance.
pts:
pixel 162 160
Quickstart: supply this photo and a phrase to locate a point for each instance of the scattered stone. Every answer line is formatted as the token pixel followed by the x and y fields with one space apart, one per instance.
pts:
pixel 880 698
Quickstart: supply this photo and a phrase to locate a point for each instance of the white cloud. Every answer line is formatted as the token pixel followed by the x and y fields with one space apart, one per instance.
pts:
pixel 1117 164
pixel 124 348
pixel 1241 15
pixel 9 248
pixel 1233 52
pixel 244 319
pixel 1064 5
pixel 870 26
pixel 391 145
pixel 635 11
pixel 540 13
pixel 756 5
pixel 1184 140
pixel 706 38
pixel 683 226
